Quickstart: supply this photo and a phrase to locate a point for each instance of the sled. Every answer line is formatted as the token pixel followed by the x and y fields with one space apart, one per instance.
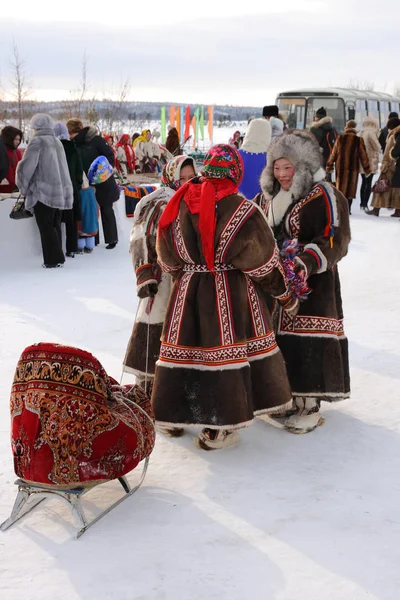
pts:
pixel 39 493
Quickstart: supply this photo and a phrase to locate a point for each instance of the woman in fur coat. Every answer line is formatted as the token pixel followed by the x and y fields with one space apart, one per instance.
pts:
pixel 390 198
pixel 152 286
pixel 347 155
pixel 312 217
pixel 12 138
pixel 369 133
pixel 254 155
pixel 219 364
pixel 43 178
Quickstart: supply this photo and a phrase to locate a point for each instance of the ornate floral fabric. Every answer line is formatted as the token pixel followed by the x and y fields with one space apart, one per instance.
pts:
pixel 72 425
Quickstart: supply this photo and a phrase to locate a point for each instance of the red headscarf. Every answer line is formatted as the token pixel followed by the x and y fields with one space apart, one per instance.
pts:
pixel 125 143
pixel 221 175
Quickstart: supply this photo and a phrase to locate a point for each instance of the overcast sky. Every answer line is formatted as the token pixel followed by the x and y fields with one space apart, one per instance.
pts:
pixel 237 52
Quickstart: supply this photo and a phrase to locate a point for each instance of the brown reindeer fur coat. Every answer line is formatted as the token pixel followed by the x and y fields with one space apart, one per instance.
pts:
pixel 347 154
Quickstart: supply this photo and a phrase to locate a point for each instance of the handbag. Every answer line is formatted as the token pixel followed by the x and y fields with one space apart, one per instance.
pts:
pixel 19 211
pixel 381 187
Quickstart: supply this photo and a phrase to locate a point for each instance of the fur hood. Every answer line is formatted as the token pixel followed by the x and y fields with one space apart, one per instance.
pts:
pixel 41 121
pixel 369 124
pixel 258 136
pixel 85 135
pixel 302 150
pixel 9 133
pixel 322 122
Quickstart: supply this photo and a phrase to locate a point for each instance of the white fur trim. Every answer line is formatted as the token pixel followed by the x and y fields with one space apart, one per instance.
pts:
pixel 264 355
pixel 321 255
pixel 199 367
pixel 278 207
pixel 168 425
pixel 319 175
pixel 159 307
pixel 339 396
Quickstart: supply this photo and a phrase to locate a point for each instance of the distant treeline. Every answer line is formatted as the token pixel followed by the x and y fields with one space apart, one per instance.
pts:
pixel 110 111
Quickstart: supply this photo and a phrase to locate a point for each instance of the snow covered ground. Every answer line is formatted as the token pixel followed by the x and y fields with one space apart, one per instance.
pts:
pixel 280 517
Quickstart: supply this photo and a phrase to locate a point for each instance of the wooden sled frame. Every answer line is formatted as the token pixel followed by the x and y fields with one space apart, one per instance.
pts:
pixel 72 497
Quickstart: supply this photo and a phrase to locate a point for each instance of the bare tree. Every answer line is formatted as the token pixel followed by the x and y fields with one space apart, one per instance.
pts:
pixel 84 83
pixel 21 89
pixel 356 84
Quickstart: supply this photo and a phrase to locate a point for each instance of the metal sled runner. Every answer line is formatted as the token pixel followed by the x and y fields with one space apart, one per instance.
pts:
pixel 37 494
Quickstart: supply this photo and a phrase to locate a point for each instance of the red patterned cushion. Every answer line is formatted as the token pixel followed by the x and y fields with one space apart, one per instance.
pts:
pixel 72 425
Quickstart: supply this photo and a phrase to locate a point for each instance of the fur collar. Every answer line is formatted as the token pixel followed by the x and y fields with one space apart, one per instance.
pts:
pixel 278 207
pixel 322 122
pixel 350 131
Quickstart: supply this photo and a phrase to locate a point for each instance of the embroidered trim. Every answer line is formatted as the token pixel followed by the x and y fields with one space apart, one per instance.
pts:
pixel 180 242
pixel 241 214
pixel 312 326
pixel 177 311
pixel 234 355
pixel 224 309
pixel 255 309
pixel 168 268
pixel 204 269
pixel 266 268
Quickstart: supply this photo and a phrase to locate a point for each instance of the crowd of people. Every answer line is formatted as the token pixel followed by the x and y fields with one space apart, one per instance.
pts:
pixel 348 156
pixel 240 311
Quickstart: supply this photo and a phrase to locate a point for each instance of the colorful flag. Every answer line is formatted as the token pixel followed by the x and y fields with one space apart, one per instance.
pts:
pixel 197 115
pixel 163 125
pixel 202 123
pixel 182 124
pixel 194 127
pixel 210 123
pixel 178 121
pixel 172 115
pixel 187 122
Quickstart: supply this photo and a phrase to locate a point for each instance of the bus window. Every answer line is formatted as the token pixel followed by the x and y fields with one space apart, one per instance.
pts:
pixel 334 108
pixel 293 111
pixel 384 112
pixel 394 107
pixel 361 111
pixel 373 110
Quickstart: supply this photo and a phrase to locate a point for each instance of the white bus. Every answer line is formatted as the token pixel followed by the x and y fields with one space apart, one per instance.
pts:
pixel 298 107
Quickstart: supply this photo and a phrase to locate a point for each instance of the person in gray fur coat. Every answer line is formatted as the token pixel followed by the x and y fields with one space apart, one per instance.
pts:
pixel 43 178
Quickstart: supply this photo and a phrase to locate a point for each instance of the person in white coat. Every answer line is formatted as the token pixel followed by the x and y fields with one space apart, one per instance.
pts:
pixel 148 153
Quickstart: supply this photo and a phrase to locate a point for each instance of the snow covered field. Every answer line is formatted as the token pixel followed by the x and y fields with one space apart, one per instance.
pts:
pixel 280 517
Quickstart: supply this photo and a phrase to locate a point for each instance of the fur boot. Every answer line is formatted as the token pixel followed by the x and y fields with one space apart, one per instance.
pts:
pixel 170 431
pixel 215 439
pixel 306 418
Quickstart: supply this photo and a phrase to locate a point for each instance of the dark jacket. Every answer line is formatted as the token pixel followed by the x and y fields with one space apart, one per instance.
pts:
pixel 4 163
pixel 383 137
pixel 91 146
pixel 326 136
pixel 396 155
pixel 76 173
